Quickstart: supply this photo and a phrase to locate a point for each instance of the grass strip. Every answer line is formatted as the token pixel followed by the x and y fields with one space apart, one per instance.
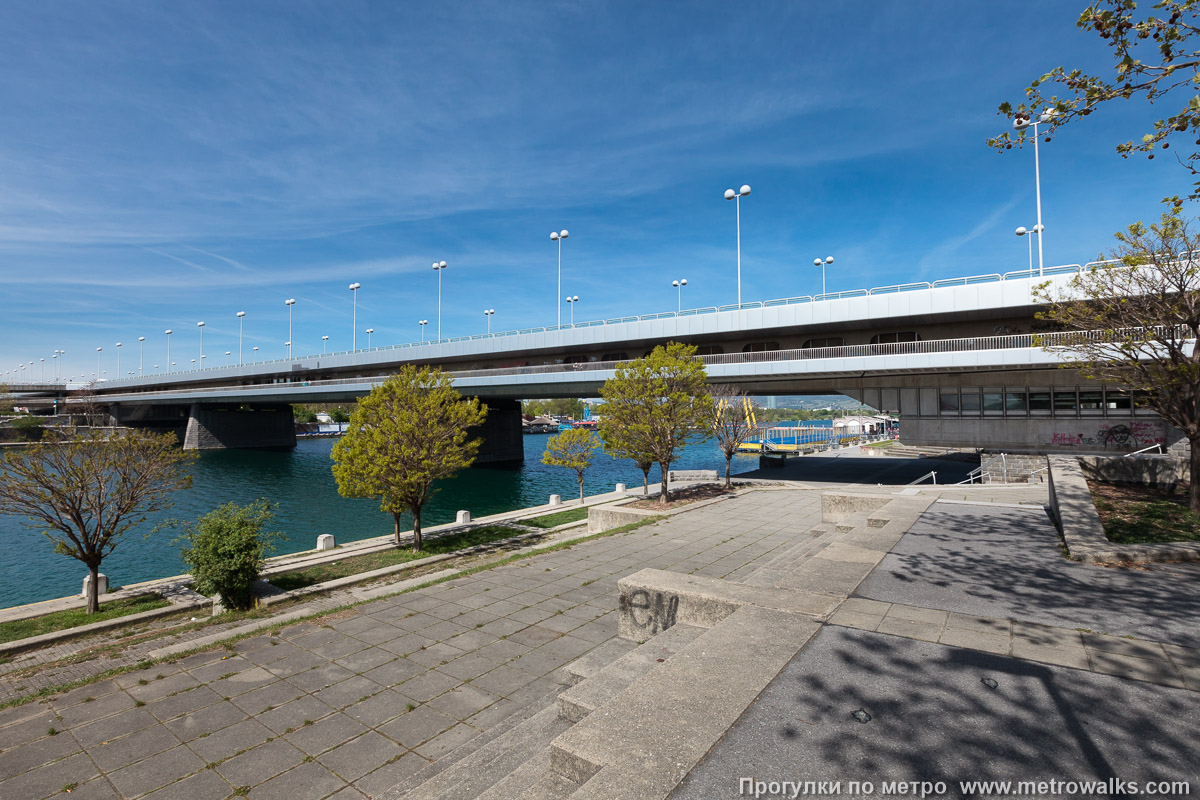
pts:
pixel 228 643
pixel 73 618
pixel 354 565
pixel 557 518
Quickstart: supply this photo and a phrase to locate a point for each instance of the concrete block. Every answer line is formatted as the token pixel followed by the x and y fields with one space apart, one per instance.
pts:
pixel 325 542
pixel 555 500
pixel 462 518
pixel 836 507
pixel 620 487
pixel 691 475
pixel 652 600
pixel 607 517
pixel 101 583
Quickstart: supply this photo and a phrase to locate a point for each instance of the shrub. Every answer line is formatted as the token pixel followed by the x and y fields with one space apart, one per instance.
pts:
pixel 225 549
pixel 29 429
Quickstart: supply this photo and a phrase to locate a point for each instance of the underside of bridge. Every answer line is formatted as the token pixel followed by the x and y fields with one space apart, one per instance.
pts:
pixel 270 426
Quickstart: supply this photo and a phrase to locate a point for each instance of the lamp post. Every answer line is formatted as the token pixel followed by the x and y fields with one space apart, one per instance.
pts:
pixel 118 360
pixel 679 284
pixel 822 264
pixel 200 325
pixel 571 301
pixel 489 313
pixel 141 352
pixel 438 266
pixel 291 301
pixel 254 350
pixel 170 363
pixel 354 287
pixel 737 196
pixel 1021 231
pixel 227 355
pixel 43 378
pixel 1022 121
pixel 369 332
pixel 241 317
pixel 98 349
pixel 324 339
pixel 422 323
pixel 558 236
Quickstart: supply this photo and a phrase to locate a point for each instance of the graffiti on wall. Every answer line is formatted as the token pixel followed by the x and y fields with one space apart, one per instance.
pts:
pixel 1117 436
pixel 650 612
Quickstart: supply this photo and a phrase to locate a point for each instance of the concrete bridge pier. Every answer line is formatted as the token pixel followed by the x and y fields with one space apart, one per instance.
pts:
pixel 259 427
pixel 503 442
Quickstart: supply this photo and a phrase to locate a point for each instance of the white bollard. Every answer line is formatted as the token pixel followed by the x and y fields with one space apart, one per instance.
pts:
pixel 463 518
pixel 101 583
pixel 325 542
pixel 620 487
pixel 556 500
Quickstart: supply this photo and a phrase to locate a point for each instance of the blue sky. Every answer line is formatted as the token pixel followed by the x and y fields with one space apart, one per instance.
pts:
pixel 165 163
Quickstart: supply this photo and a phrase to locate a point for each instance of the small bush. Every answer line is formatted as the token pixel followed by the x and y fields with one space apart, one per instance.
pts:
pixel 29 429
pixel 225 549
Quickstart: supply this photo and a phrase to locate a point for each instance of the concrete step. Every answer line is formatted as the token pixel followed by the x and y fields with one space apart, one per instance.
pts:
pixel 533 780
pixel 644 740
pixel 476 768
pixel 595 660
pixel 818 538
pixel 583 698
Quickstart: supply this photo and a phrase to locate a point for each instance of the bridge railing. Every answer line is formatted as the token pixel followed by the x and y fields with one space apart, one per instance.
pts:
pixel 1038 341
pixel 1064 269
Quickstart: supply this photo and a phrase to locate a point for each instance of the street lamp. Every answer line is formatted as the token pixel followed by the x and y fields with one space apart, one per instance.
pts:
pixel 571 301
pixel 141 352
pixel 558 236
pixel 98 349
pixel 423 323
pixel 679 293
pixel 489 313
pixel 369 332
pixel 1021 231
pixel 255 350
pixel 170 363
pixel 288 345
pixel 227 355
pixel 241 317
pixel 324 339
pixel 43 378
pixel 118 360
pixel 1022 121
pixel 438 266
pixel 291 301
pixel 354 287
pixel 737 196
pixel 200 325
pixel 822 264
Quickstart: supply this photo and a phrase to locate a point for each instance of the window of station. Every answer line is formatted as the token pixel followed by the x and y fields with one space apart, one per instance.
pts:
pixel 1091 402
pixel 1065 401
pixel 829 341
pixel 1118 400
pixel 1016 402
pixel 970 402
pixel 1141 402
pixel 894 338
pixel 1039 401
pixel 948 403
pixel 760 347
pixel 615 357
pixel 710 350
pixel 993 403
pixel 575 360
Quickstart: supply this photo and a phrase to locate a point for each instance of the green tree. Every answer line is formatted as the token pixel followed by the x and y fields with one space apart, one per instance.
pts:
pixel 1155 54
pixel 655 405
pixel 86 492
pixel 572 449
pixel 571 407
pixel 6 400
pixel 730 422
pixel 339 414
pixel 303 414
pixel 407 433
pixel 226 548
pixel 1138 326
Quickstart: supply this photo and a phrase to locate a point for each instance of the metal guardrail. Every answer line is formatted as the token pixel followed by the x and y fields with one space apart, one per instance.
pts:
pixel 1156 446
pixel 923 478
pixel 1064 269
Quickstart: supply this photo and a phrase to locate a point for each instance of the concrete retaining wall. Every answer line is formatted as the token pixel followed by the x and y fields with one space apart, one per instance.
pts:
pixel 1163 471
pixel 215 427
pixel 838 507
pixel 605 518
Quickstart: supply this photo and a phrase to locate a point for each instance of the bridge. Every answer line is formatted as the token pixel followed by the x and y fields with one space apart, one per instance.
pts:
pixel 956 358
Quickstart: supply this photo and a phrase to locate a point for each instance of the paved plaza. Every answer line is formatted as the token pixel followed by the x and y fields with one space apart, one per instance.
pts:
pixel 352 705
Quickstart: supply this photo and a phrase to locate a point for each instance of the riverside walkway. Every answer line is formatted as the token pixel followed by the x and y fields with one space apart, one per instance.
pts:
pixel 450 690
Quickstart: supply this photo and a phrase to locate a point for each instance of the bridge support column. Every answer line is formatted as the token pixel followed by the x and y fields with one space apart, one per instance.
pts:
pixel 217 427
pixel 503 442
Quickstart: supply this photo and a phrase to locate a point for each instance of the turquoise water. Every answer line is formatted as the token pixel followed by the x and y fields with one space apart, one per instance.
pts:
pixel 302 485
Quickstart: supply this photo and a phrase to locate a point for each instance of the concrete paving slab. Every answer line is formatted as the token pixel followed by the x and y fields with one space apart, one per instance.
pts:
pixel 1006 563
pixel 932 717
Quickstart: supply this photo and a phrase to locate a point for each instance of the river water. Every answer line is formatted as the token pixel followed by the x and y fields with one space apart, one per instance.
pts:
pixel 302 484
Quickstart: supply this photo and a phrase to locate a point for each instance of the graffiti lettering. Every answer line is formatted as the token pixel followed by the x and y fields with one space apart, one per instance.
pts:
pixel 1119 436
pixel 656 613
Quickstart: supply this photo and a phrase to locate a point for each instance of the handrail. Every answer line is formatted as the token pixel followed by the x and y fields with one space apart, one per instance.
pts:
pixel 1156 446
pixel 932 474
